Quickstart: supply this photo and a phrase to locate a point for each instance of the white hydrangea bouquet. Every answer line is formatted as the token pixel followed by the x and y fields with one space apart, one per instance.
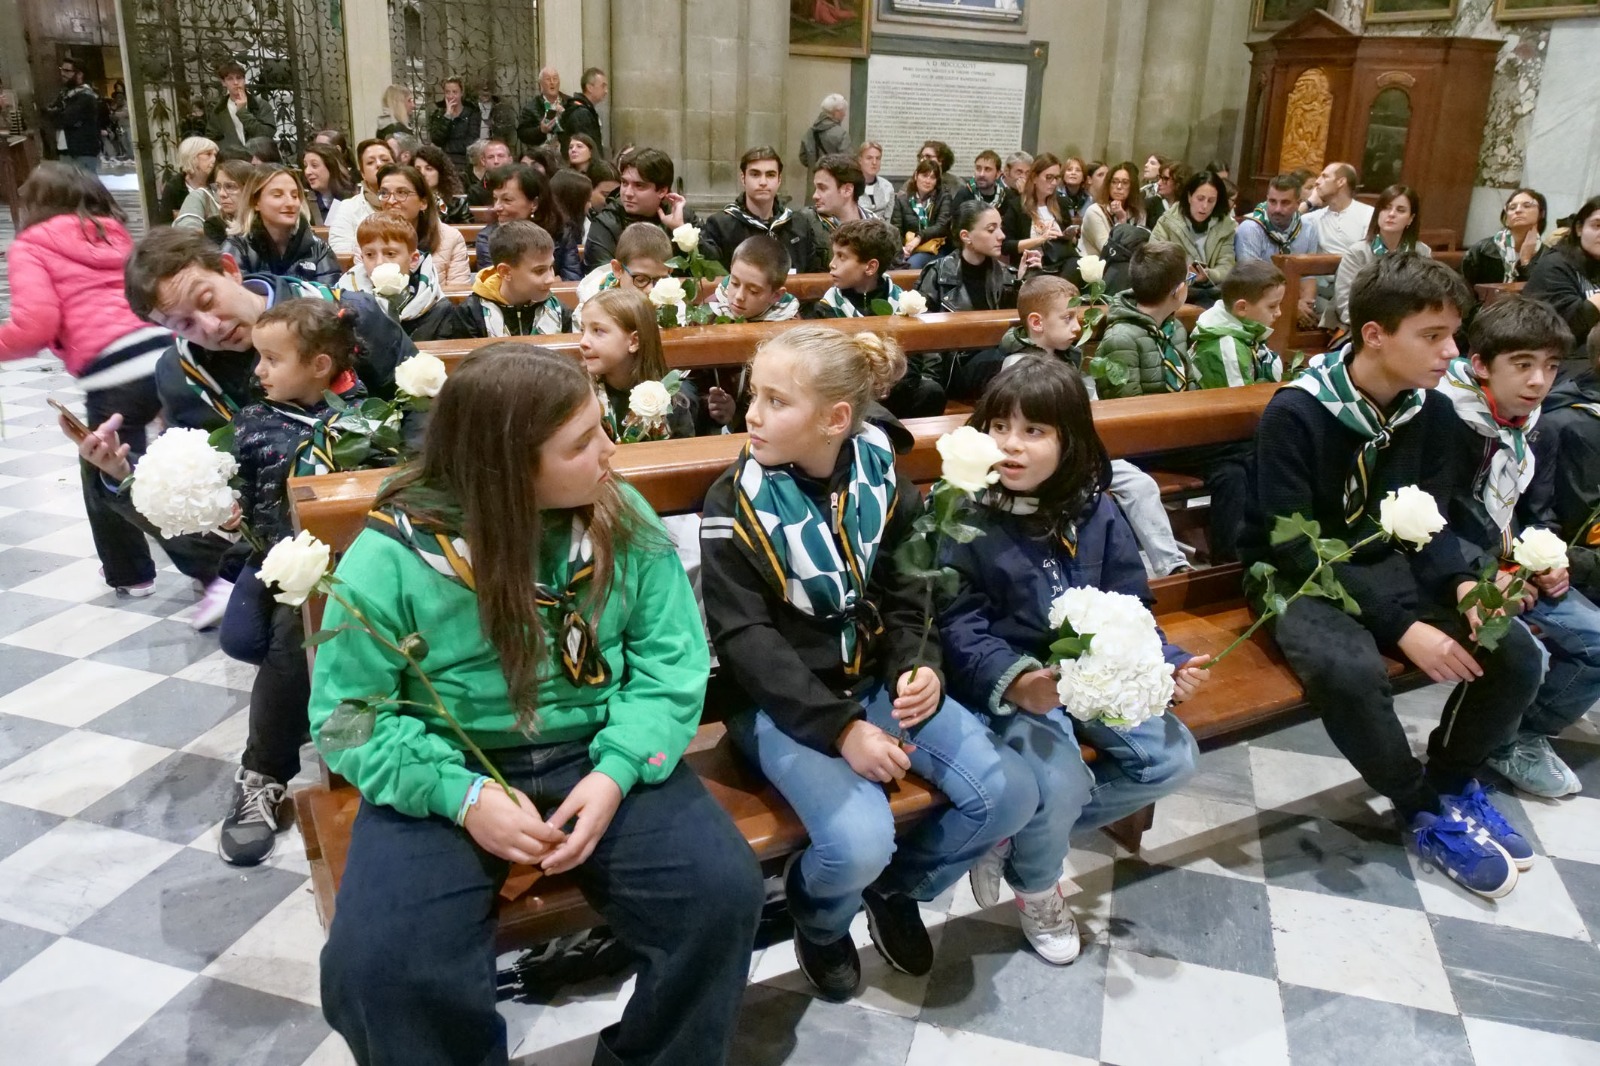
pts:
pixel 679 303
pixel 184 484
pixel 1110 665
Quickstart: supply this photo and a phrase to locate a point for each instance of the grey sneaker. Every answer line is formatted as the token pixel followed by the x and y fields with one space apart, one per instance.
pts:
pixel 986 875
pixel 250 830
pixel 1533 766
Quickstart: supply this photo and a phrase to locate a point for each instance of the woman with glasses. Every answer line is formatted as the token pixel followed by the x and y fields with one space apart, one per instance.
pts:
pixel 1116 201
pixel 403 190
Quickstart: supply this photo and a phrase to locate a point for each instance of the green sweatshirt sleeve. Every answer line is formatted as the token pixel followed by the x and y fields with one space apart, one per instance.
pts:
pixel 403 765
pixel 653 716
pixel 1120 347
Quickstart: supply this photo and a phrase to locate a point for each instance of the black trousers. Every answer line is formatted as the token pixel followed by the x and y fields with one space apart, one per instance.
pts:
pixel 1338 660
pixel 279 698
pixel 408 972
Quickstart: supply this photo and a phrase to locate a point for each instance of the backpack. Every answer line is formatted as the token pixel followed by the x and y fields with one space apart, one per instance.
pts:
pixel 1125 239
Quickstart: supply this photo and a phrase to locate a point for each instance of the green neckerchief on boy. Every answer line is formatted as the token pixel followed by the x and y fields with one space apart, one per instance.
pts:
pixel 449 556
pixel 1174 368
pixel 1330 383
pixel 820 562
pixel 834 303
pixel 1511 466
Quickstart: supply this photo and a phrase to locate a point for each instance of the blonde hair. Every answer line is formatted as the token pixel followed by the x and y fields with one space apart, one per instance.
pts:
pixel 395 102
pixel 245 221
pixel 633 312
pixel 190 149
pixel 855 368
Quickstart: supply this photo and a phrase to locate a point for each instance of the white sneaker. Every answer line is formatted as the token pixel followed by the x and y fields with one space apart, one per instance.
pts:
pixel 1049 925
pixel 986 875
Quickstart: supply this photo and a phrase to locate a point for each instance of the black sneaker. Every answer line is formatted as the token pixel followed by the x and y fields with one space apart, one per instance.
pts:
pixel 251 828
pixel 898 933
pixel 833 969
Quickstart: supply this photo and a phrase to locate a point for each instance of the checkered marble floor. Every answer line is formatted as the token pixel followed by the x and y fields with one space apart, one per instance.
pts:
pixel 1272 918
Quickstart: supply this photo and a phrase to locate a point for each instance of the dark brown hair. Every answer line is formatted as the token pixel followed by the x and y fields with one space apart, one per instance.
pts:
pixel 1408 239
pixel 476 477
pixel 59 189
pixel 1518 324
pixel 340 185
pixel 1400 285
pixel 449 180
pixel 320 327
pixel 1048 391
pixel 845 170
pixel 1155 270
pixel 511 242
pixel 428 218
pixel 924 166
pixel 163 253
pixel 1041 163
pixel 1250 281
pixel 767 254
pixel 868 239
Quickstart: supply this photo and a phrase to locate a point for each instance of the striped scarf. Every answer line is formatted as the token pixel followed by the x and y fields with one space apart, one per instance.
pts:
pixel 546 318
pixel 819 562
pixel 450 557
pixel 1510 259
pixel 204 385
pixel 1511 467
pixel 834 303
pixel 1331 385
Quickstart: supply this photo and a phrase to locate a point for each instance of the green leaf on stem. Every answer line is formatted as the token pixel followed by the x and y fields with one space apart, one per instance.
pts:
pixel 1292 527
pixel 676 263
pixel 1492 631
pixel 322 636
pixel 349 726
pixel 882 308
pixel 1070 647
pixel 350 450
pixel 947 584
pixel 962 533
pixel 914 554
pixel 335 401
pixel 222 437
pixel 1330 548
pixel 1276 604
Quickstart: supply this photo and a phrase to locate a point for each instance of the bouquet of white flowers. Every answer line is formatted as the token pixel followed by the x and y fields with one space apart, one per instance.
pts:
pixel 183 484
pixel 1111 666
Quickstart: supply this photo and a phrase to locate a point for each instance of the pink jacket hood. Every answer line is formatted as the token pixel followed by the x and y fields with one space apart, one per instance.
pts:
pixel 67 291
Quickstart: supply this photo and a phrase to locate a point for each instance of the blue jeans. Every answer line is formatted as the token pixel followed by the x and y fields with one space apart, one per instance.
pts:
pixel 1569 629
pixel 991 791
pixel 408 973
pixel 1136 768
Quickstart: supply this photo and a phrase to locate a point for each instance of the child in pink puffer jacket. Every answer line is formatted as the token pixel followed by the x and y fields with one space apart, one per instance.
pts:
pixel 65 271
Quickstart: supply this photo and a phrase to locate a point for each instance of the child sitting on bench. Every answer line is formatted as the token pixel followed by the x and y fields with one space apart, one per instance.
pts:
pixel 1142 331
pixel 640 261
pixel 621 347
pixel 1229 342
pixel 421 309
pixel 752 292
pixel 1328 448
pixel 562 634
pixel 512 298
pixel 1049 525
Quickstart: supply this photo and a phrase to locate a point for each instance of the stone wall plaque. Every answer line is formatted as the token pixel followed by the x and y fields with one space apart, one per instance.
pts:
pixel 969 104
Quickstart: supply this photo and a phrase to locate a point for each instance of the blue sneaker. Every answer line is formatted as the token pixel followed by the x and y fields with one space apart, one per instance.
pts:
pixel 1467 856
pixel 1473 807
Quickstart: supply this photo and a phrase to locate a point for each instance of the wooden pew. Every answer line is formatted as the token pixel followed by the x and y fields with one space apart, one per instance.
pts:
pixel 1489 293
pixel 1202 612
pixel 1287 335
pixel 804 287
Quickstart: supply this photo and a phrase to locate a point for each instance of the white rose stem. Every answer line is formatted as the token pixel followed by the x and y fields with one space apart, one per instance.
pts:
pixel 437 706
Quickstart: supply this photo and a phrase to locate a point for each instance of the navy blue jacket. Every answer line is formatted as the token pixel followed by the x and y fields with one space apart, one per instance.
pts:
pixel 998 627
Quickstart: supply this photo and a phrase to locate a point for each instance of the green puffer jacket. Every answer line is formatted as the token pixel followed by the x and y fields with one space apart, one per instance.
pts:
pixel 1145 349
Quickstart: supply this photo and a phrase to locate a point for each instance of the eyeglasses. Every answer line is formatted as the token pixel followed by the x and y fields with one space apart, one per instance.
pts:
pixel 643 280
pixel 396 195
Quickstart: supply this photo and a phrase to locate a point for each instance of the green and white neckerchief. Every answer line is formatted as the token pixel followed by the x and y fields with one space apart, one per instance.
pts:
pixel 1511 467
pixel 783 309
pixel 820 560
pixel 1381 249
pixel 1174 371
pixel 204 385
pixel 834 303
pixel 546 319
pixel 995 197
pixel 314 454
pixel 1330 383
pixel 922 209
pixel 1064 529
pixel 1283 239
pixel 1510 258
pixel 449 556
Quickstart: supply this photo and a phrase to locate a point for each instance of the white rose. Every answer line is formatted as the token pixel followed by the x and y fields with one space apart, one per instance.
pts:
pixel 912 302
pixel 389 280
pixel 667 291
pixel 687 238
pixel 1092 269
pixel 967 456
pixel 295 566
pixel 1410 514
pixel 649 400
pixel 181 484
pixel 1540 551
pixel 421 375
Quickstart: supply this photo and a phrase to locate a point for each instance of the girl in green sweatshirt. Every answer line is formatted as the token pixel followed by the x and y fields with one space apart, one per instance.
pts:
pixel 556 624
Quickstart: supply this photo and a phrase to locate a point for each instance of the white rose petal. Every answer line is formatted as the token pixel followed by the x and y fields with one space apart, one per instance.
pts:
pixel 422 375
pixel 912 302
pixel 667 291
pixel 687 238
pixel 181 484
pixel 295 566
pixel 968 456
pixel 389 280
pixel 1410 514
pixel 1092 269
pixel 1540 551
pixel 649 399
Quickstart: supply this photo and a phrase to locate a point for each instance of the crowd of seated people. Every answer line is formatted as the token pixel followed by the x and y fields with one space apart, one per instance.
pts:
pixel 831 707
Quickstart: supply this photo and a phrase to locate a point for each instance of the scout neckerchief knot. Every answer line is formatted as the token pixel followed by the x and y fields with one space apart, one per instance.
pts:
pixel 1510 258
pixel 314 454
pixel 546 318
pixel 1331 385
pixel 1174 371
pixel 449 556
pixel 836 300
pixel 1064 529
pixel 818 562
pixel 1511 467
pixel 200 380
pixel 1282 238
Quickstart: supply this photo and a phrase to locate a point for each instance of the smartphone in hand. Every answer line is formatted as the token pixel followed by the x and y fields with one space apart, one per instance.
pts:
pixel 73 425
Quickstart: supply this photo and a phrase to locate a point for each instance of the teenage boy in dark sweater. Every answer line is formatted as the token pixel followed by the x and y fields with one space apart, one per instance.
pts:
pixel 1329 448
pixel 1502 467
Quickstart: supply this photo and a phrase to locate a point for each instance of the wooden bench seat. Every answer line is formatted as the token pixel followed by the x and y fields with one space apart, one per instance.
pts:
pixel 803 287
pixel 1288 335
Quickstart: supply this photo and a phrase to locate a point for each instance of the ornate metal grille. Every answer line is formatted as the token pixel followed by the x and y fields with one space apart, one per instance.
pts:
pixel 483 42
pixel 293 52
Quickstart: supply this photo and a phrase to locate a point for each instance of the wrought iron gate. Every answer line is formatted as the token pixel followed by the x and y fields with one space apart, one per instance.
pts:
pixel 492 43
pixel 293 52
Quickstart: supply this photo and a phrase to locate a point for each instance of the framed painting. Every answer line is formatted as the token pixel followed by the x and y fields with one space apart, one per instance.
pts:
pixel 1269 16
pixel 978 14
pixel 1410 10
pixel 1515 10
pixel 830 28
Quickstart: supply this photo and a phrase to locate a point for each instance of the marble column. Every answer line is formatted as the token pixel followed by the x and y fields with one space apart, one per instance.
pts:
pixel 700 79
pixel 366 39
pixel 1123 66
pixel 1177 34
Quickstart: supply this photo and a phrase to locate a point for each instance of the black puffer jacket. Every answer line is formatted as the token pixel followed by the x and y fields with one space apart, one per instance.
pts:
pixel 724 231
pixel 307 256
pixel 606 225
